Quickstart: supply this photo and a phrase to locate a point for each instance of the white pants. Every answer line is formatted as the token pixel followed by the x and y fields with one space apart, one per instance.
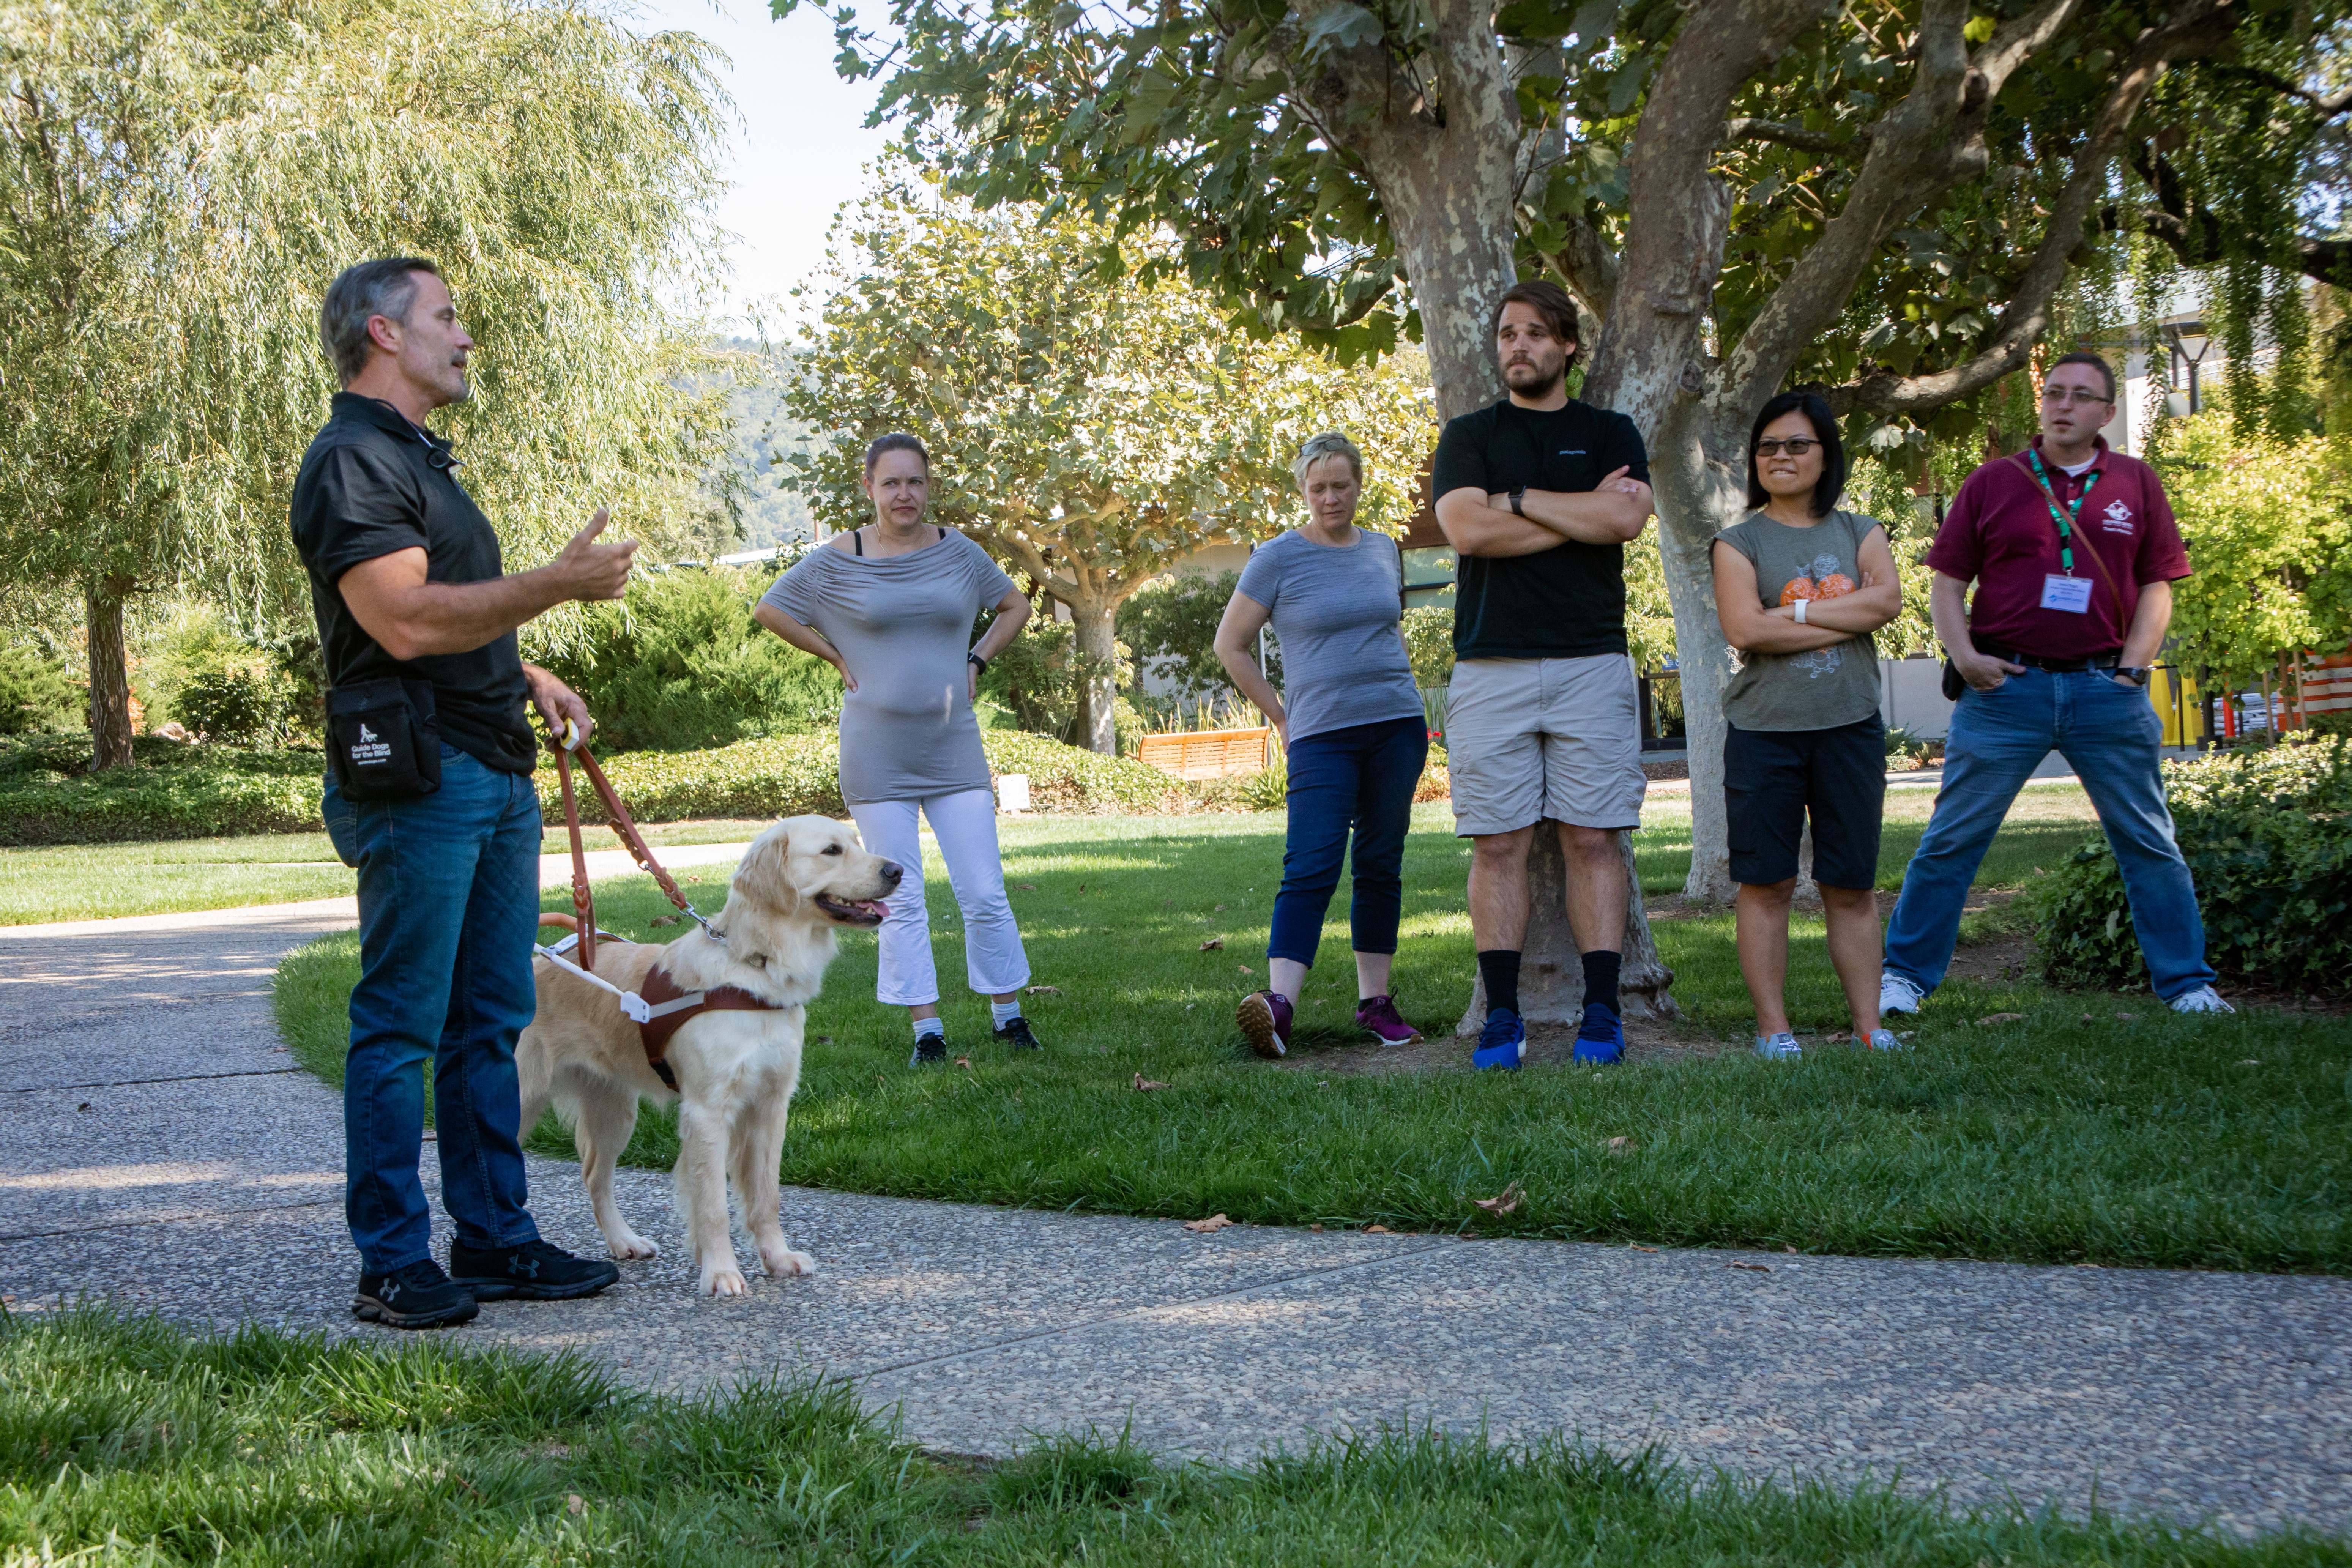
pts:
pixel 965 825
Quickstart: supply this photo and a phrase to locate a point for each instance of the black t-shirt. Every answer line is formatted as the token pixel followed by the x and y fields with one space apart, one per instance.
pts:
pixel 372 484
pixel 1567 602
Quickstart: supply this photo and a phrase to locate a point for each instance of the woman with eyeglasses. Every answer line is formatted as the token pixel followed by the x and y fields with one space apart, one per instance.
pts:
pixel 1351 721
pixel 1800 586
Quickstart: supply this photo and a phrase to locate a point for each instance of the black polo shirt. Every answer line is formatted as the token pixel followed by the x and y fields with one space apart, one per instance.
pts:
pixel 1567 602
pixel 372 484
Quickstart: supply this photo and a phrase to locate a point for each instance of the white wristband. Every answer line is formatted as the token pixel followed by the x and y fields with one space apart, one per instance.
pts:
pixel 1800 611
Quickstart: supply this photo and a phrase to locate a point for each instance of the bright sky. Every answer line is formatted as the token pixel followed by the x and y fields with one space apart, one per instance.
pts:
pixel 800 145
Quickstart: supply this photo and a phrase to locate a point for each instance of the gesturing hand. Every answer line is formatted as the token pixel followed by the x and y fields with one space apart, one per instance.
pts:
pixel 594 571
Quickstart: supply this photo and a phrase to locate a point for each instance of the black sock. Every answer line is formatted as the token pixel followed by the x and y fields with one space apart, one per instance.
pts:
pixel 1600 979
pixel 1499 968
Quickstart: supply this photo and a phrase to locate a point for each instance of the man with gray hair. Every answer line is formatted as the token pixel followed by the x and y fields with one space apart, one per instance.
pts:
pixel 429 795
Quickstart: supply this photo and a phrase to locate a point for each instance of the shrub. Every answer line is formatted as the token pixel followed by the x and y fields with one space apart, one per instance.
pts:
pixel 36 693
pixel 236 691
pixel 679 664
pixel 50 796
pixel 1429 644
pixel 1171 624
pixel 1036 677
pixel 2268 837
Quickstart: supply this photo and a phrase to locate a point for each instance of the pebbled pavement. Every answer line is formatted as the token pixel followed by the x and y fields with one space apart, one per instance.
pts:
pixel 159 1148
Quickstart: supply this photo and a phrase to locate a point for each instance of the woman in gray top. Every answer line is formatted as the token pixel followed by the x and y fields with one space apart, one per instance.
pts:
pixel 890 605
pixel 1351 722
pixel 1800 586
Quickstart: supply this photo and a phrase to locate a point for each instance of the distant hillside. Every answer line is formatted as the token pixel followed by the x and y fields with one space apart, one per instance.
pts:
pixel 755 401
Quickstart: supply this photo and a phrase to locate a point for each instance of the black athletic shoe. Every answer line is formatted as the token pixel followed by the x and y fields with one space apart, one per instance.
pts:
pixel 417 1297
pixel 535 1271
pixel 930 1051
pixel 1017 1034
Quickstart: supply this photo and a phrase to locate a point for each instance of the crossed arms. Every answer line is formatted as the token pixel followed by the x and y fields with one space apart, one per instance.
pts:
pixel 1477 523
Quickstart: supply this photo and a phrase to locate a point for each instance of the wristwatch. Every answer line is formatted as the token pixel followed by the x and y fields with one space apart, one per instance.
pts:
pixel 1516 496
pixel 2136 674
pixel 976 662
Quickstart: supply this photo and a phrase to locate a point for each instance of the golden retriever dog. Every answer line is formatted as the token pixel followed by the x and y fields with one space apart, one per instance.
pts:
pixel 736 1070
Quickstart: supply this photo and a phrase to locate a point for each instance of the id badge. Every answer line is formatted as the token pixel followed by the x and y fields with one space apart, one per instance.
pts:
pixel 2072 595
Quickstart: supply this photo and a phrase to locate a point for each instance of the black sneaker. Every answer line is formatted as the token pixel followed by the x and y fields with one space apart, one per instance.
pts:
pixel 930 1051
pixel 1017 1035
pixel 535 1271
pixel 417 1297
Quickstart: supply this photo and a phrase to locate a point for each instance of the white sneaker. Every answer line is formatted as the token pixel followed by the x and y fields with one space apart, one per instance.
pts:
pixel 2204 999
pixel 1781 1047
pixel 1896 994
pixel 1886 1040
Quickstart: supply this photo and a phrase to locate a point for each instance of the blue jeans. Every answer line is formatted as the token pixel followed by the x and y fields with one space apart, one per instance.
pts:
pixel 2110 734
pixel 448 911
pixel 1361 777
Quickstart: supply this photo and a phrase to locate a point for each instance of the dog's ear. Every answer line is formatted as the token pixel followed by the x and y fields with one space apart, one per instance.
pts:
pixel 764 876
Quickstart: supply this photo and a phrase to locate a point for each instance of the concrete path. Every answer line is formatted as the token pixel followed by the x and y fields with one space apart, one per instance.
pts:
pixel 158 1147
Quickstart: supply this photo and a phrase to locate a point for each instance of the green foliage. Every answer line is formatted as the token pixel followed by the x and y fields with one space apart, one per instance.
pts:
pixel 1040 678
pixel 1429 644
pixel 2268 837
pixel 679 664
pixel 36 693
pixel 49 794
pixel 228 688
pixel 2268 523
pixel 1171 624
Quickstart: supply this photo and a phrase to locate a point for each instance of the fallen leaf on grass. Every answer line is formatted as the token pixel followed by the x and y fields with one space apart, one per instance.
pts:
pixel 1639 1247
pixel 1219 909
pixel 2088 1018
pixel 1503 1202
pixel 663 921
pixel 2000 1018
pixel 1757 1267
pixel 1315 1227
pixel 1203 1227
pixel 1618 1145
pixel 1214 944
pixel 1786 1247
pixel 824 1039
pixel 1245 969
pixel 1043 990
pixel 1026 886
pixel 1142 1083
pixel 576 1503
pixel 2250 1062
pixel 2127 1018
pixel 964 1062
pixel 1378 1230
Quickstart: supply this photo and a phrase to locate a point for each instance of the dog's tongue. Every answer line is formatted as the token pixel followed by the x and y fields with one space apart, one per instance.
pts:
pixel 881 910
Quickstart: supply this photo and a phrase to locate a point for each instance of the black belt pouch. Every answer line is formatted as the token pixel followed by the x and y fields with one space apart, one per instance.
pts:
pixel 1953 684
pixel 384 739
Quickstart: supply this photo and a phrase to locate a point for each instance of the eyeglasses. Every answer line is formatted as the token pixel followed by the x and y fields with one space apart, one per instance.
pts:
pixel 2066 397
pixel 1795 445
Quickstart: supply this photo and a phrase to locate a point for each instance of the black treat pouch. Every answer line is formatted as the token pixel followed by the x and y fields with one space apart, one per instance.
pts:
pixel 1953 684
pixel 384 738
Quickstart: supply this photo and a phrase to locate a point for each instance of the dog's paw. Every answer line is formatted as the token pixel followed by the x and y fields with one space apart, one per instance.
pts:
pixel 784 1262
pixel 631 1247
pixel 724 1280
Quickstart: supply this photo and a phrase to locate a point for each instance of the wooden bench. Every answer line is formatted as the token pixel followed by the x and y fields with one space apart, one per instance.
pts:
pixel 1207 755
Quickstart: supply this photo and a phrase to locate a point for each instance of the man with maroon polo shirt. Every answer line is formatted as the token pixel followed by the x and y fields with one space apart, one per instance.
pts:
pixel 2074 552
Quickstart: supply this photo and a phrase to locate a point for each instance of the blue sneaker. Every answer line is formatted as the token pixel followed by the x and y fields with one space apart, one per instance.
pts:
pixel 1601 1040
pixel 1502 1042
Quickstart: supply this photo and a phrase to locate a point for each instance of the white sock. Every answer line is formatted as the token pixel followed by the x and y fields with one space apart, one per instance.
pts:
pixel 931 1027
pixel 1004 1012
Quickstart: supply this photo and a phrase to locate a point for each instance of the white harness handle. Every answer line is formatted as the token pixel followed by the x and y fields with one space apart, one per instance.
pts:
pixel 637 1008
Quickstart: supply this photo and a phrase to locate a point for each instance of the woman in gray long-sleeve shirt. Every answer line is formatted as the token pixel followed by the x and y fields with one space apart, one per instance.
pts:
pixel 890 605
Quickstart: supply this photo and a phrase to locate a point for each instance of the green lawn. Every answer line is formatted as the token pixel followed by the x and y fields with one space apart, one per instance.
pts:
pixel 127 1442
pixel 101 881
pixel 2215 1143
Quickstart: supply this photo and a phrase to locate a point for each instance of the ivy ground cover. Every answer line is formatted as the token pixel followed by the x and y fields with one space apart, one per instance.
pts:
pixel 2061 1133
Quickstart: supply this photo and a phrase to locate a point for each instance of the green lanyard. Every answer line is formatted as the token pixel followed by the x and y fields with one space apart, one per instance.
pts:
pixel 2065 520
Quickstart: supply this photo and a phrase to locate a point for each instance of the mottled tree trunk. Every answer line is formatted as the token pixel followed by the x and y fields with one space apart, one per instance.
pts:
pixel 109 672
pixel 1094 628
pixel 1551 970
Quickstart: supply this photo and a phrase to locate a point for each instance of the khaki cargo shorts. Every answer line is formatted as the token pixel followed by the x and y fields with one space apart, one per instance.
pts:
pixel 1531 738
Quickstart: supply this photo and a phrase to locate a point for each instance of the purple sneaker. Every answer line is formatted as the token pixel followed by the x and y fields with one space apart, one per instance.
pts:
pixel 1379 1015
pixel 1264 1018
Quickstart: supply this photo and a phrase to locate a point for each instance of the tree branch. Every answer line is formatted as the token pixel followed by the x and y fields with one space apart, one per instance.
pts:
pixel 2200 24
pixel 2328 106
pixel 1745 129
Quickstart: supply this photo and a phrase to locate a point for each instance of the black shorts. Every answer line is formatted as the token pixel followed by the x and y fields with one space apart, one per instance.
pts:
pixel 1772 778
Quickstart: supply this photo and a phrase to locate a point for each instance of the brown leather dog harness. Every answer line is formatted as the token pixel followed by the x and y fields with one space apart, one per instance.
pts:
pixel 660 1008
pixel 672 1007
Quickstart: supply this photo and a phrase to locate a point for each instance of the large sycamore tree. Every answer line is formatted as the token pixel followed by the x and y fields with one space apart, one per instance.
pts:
pixel 180 179
pixel 1092 418
pixel 1884 198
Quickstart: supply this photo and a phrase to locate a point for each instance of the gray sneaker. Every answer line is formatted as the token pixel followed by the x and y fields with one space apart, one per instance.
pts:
pixel 2204 999
pixel 1779 1047
pixel 1896 994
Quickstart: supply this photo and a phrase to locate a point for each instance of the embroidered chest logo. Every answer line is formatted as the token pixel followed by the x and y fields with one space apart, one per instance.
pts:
pixel 2118 517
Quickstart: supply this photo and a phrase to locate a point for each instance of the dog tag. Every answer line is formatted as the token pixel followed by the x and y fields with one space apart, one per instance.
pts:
pixel 2072 595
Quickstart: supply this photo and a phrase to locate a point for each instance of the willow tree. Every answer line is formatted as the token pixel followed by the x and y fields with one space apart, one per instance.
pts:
pixel 1092 420
pixel 1884 198
pixel 179 181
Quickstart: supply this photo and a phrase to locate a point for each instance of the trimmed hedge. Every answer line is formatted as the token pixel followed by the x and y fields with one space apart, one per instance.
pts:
pixel 48 795
pixel 2268 838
